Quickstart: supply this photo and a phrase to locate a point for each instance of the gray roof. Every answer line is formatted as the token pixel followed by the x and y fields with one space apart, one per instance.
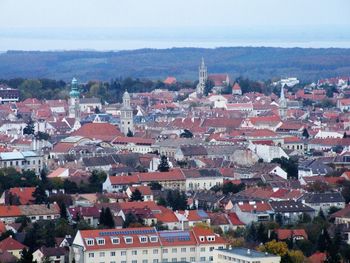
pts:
pixel 290 206
pixel 335 197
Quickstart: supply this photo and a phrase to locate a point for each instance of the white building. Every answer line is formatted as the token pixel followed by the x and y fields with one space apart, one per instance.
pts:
pixel 22 161
pixel 126 115
pixel 244 255
pixel 146 245
pixel 268 152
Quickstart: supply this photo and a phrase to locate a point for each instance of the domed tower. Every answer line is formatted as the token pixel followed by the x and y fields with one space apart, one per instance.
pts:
pixel 126 115
pixel 74 108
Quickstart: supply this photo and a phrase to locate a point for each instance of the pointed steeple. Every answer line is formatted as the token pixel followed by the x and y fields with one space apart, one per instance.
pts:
pixel 282 93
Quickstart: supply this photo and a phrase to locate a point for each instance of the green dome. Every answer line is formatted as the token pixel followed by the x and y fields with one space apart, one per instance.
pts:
pixel 74 93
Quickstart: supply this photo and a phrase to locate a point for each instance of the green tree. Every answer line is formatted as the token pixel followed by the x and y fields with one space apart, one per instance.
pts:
pixel 42 136
pixel 289 165
pixel 305 133
pixel 136 196
pixel 108 218
pixel 29 129
pixel 155 186
pixel 324 241
pixel 129 134
pixel 186 134
pixel 164 164
pixel 40 195
pixel 26 256
pixel 63 210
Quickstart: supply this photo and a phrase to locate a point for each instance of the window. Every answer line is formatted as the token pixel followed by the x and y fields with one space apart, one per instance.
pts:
pixel 115 240
pixel 145 261
pixel 128 240
pixel 174 260
pixel 100 241
pixel 211 238
pixel 202 249
pixel 165 250
pixel 174 250
pixel 123 253
pixel 91 255
pixel 112 262
pixel 192 249
pixel 123 261
pixel 211 248
pixel 144 252
pixel 183 249
pixel 211 258
pixel 134 252
pixel 155 260
pixel 201 239
pixel 183 259
pixel 113 254
pixel 192 259
pixel 90 242
pixel 202 259
pixel 134 261
pixel 165 260
pixel 155 251
pixel 143 239
pixel 153 239
pixel 102 254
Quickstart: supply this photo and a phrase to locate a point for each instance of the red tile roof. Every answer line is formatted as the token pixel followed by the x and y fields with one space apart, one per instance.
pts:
pixel 318 257
pixel 11 244
pixel 258 206
pixel 25 194
pixel 284 234
pixel 99 131
pixel 235 220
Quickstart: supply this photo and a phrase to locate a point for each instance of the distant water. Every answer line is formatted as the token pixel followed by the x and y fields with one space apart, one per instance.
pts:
pixel 129 39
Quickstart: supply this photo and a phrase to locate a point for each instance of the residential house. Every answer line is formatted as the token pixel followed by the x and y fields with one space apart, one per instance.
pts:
pixel 51 254
pixel 323 201
pixel 290 211
pixel 244 255
pixel 12 246
pixel 146 192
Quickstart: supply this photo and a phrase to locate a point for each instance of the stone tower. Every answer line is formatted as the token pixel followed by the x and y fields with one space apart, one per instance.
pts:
pixel 126 115
pixel 203 77
pixel 282 104
pixel 74 108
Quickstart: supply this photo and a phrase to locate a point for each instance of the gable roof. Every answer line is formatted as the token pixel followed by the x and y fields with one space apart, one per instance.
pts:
pixel 99 131
pixel 11 244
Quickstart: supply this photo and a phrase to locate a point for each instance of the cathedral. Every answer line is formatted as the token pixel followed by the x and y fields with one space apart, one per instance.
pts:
pixel 126 116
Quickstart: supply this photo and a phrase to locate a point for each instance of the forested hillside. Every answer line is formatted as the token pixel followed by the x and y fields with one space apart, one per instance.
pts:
pixel 254 63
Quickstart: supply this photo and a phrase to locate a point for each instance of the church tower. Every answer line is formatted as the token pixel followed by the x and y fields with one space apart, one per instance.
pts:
pixel 203 77
pixel 126 115
pixel 282 104
pixel 74 108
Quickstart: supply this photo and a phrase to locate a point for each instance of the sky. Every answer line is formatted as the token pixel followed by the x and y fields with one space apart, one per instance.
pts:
pixel 28 17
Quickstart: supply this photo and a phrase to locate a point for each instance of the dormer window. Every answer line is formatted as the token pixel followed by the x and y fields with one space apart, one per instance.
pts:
pixel 89 241
pixel 211 238
pixel 100 241
pixel 153 239
pixel 115 240
pixel 143 239
pixel 128 240
pixel 201 239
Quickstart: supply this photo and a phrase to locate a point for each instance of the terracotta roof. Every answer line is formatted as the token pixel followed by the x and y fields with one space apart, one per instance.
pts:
pixel 144 189
pixel 284 234
pixel 318 257
pixel 25 194
pixel 62 147
pixel 234 219
pixel 11 244
pixel 99 131
pixel 10 211
pixel 124 180
pixel 173 175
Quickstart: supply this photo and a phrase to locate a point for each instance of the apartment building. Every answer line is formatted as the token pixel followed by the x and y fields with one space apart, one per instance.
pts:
pixel 145 245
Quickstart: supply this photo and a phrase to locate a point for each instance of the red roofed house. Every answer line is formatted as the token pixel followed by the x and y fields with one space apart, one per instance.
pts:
pixel 18 196
pixel 252 211
pixel 318 257
pixel 295 234
pixel 13 246
pixel 236 89
pixel 169 81
pixel 145 190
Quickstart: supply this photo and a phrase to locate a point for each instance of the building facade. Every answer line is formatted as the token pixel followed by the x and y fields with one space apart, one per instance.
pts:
pixel 126 115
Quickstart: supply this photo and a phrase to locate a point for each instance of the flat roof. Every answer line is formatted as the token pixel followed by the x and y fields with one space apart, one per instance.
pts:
pixel 251 253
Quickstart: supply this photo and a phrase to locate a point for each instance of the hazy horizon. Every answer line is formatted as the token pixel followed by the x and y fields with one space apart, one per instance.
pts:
pixel 131 24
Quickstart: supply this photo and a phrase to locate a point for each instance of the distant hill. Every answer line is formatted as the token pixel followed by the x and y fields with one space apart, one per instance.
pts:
pixel 253 62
